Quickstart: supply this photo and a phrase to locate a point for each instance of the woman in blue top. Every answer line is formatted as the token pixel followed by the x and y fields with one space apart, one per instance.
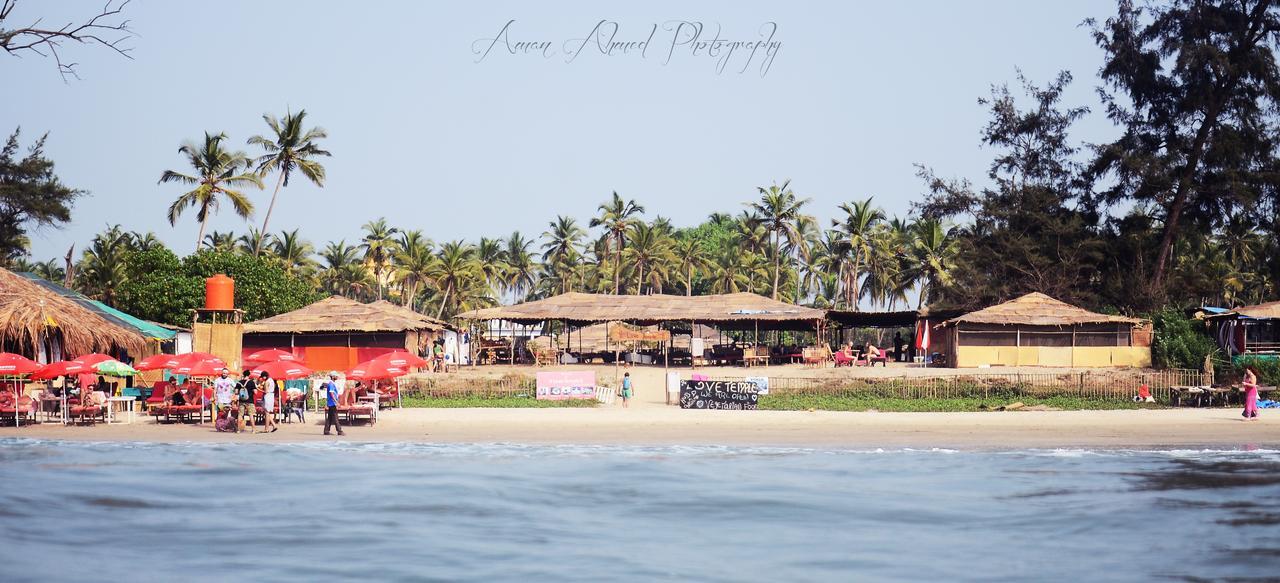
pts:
pixel 626 389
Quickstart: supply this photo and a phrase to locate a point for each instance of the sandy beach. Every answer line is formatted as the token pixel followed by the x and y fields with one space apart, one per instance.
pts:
pixel 673 426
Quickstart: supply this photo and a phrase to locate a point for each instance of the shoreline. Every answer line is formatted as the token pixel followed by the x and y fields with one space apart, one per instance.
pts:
pixel 667 426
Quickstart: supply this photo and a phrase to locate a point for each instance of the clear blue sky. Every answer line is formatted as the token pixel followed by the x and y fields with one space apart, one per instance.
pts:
pixel 424 135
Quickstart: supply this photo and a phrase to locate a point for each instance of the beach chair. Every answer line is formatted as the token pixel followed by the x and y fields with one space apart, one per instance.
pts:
pixel 17 409
pixel 843 359
pixel 90 413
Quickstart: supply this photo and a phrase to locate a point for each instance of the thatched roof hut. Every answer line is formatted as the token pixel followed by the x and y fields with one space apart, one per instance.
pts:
pixel 1038 330
pixel 596 337
pixel 29 311
pixel 742 309
pixel 338 333
pixel 339 314
pixel 1037 309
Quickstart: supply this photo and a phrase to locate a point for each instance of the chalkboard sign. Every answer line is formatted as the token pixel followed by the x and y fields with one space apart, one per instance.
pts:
pixel 730 395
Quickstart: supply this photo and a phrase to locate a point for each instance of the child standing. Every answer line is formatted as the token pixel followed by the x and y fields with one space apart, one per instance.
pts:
pixel 626 389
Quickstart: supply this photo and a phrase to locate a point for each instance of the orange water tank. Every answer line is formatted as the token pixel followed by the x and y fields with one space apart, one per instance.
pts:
pixel 219 293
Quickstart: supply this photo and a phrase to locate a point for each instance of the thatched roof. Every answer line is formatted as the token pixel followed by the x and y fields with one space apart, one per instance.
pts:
pixel 1265 311
pixel 581 307
pixel 27 308
pixel 339 314
pixel 1037 309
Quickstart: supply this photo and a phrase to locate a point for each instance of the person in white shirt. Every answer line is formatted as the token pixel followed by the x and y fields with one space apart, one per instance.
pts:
pixel 223 389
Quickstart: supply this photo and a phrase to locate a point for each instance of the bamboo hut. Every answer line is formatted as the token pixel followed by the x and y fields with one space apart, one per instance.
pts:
pixel 46 326
pixel 338 333
pixel 1037 330
pixel 1252 331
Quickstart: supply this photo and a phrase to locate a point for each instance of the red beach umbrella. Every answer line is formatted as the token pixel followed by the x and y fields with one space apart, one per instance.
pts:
pixel 374 370
pixel 273 355
pixel 201 368
pixel 284 370
pixel 62 368
pixel 17 365
pixel 401 359
pixel 158 362
pixel 91 359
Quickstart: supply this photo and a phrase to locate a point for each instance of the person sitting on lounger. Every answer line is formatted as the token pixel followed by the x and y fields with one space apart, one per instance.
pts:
pixel 177 398
pixel 873 352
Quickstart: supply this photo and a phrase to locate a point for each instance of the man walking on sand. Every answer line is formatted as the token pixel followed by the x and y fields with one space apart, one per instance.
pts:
pixel 331 403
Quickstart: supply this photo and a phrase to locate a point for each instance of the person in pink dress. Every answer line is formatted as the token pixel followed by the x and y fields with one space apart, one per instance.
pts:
pixel 1250 393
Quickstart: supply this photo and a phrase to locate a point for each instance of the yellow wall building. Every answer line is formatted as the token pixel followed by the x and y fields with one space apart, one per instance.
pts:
pixel 1037 330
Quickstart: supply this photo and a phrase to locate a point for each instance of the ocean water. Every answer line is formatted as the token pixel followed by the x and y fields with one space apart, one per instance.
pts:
pixel 72 511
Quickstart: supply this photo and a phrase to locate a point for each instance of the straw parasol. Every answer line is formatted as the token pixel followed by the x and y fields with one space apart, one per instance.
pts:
pixel 29 312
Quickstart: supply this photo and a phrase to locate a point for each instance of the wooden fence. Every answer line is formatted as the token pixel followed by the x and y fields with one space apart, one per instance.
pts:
pixel 1108 385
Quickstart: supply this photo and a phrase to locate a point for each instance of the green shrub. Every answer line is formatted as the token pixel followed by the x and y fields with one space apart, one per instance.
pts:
pixel 1268 369
pixel 1180 342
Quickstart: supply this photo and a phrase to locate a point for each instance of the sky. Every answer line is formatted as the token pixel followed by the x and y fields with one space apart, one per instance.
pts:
pixel 432 135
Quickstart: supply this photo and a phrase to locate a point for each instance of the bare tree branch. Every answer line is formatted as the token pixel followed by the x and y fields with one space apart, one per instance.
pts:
pixel 105 29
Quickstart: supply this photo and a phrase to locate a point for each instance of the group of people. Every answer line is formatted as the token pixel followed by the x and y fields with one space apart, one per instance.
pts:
pixel 235 401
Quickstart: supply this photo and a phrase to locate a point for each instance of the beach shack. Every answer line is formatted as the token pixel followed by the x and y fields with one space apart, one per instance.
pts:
pixel 1037 330
pixel 1250 331
pixel 747 313
pixel 338 333
pixel 47 326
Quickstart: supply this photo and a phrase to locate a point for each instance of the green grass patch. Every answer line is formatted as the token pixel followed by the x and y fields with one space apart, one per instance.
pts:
pixel 493 402
pixel 957 404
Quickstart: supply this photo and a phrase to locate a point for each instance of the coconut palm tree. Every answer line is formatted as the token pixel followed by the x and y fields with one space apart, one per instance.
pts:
pixel 857 225
pixel 488 253
pixel 414 261
pixel 778 210
pixel 731 274
pixel 691 257
pixel 253 240
pixel 219 173
pixel 616 217
pixel 342 268
pixel 289 147
pixel 455 269
pixel 221 242
pixel 647 254
pixel 934 252
pixel 102 269
pixel 144 242
pixel 50 270
pixel 562 239
pixel 519 278
pixel 293 252
pixel 377 245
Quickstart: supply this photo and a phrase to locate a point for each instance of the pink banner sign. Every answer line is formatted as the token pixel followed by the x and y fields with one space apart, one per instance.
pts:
pixel 560 385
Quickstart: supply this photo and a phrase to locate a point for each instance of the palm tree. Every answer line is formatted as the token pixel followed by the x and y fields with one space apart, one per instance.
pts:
pixel 290 147
pixel 293 252
pixel 145 242
pixel 562 239
pixel 808 234
pixel 50 270
pixel 934 252
pixel 221 242
pixel 414 262
pixel 491 261
pixel 616 217
pixel 377 244
pixel 779 212
pixel 455 268
pixel 218 174
pixel 859 221
pixel 249 242
pixel 731 273
pixel 103 269
pixel 519 278
pixel 754 239
pixel 649 253
pixel 690 258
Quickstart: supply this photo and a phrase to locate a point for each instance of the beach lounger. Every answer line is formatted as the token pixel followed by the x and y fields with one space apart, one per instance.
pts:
pixel 357 413
pixel 23 409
